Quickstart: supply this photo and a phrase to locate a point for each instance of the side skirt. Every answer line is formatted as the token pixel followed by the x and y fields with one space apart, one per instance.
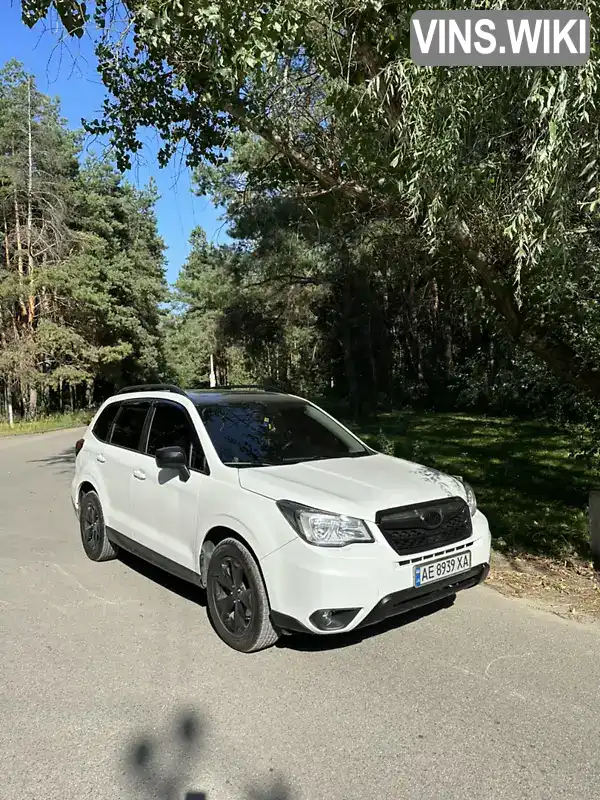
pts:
pixel 151 557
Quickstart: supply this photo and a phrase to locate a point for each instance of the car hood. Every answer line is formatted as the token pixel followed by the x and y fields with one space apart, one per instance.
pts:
pixel 358 487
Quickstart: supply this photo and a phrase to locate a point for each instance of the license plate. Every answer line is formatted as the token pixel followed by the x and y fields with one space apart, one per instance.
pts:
pixel 438 570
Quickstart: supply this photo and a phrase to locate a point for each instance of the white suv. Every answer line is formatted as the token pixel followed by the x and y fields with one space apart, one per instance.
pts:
pixel 284 516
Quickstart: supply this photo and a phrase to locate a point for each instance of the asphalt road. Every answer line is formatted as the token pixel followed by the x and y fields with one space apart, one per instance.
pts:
pixel 98 663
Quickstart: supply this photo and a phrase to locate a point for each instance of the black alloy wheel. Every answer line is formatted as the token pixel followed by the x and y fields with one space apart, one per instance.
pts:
pixel 93 529
pixel 237 599
pixel 233 596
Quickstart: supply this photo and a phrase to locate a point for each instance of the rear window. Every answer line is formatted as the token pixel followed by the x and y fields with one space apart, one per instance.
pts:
pixel 129 424
pixel 101 429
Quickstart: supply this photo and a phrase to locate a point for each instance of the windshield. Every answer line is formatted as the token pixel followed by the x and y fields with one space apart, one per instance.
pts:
pixel 269 433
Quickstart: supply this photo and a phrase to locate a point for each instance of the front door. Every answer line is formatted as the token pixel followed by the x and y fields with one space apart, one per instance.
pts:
pixel 165 505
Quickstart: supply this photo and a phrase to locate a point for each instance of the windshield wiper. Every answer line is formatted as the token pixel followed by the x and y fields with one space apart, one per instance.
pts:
pixel 299 459
pixel 249 464
pixel 326 458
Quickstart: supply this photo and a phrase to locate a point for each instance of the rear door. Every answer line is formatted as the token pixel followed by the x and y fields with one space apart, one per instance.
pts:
pixel 166 505
pixel 120 457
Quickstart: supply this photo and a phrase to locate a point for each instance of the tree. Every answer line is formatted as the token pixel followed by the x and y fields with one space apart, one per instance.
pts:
pixel 37 162
pixel 82 266
pixel 201 292
pixel 115 278
pixel 336 299
pixel 498 168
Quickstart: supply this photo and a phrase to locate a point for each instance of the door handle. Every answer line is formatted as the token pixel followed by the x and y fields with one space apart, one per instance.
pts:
pixel 100 458
pixel 139 474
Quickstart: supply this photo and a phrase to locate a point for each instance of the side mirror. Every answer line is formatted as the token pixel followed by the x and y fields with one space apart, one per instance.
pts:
pixel 172 458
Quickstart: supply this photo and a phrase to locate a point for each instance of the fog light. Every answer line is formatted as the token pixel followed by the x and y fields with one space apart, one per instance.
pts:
pixel 330 619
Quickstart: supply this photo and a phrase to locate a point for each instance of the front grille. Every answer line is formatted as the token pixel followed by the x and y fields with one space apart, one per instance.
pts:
pixel 426 526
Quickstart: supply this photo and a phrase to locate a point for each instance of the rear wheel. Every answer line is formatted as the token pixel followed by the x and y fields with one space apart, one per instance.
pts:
pixel 93 530
pixel 237 599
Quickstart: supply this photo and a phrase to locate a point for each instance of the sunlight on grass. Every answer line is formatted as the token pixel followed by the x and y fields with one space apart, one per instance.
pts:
pixel 533 493
pixel 53 422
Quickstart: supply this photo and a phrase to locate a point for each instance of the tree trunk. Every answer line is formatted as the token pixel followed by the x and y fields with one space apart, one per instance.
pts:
pixel 6 248
pixel 33 401
pixel 448 353
pixel 20 264
pixel 9 404
pixel 417 347
pixel 30 264
pixel 346 334
pixel 348 350
pixel 23 400
pixel 89 394
pixel 435 300
pixel 372 361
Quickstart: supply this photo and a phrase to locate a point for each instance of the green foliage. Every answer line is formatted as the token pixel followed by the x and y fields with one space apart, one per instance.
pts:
pixel 495 171
pixel 403 235
pixel 532 492
pixel 81 266
pixel 47 422
pixel 72 13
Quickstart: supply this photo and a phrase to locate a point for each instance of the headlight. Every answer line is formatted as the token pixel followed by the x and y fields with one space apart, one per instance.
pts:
pixel 322 528
pixel 470 495
pixel 471 499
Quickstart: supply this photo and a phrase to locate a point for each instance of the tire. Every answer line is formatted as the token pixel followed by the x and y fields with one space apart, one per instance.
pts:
pixel 237 600
pixel 93 530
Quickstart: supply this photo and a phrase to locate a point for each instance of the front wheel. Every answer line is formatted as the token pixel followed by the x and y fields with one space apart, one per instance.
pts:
pixel 237 599
pixel 93 530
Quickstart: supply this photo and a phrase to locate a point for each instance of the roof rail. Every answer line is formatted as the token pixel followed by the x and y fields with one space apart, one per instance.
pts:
pixel 256 387
pixel 152 387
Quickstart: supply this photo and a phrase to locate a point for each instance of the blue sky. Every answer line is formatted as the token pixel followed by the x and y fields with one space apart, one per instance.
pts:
pixel 68 71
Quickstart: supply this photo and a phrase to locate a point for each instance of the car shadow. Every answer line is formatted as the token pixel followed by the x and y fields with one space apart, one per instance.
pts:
pixel 185 589
pixel 309 643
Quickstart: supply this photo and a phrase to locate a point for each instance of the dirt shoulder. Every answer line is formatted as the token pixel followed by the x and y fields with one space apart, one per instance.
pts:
pixel 567 588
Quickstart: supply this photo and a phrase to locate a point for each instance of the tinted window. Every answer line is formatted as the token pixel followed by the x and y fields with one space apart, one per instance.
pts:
pixel 102 427
pixel 171 427
pixel 268 433
pixel 129 424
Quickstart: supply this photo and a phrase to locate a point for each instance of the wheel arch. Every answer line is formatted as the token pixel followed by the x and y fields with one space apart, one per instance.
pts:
pixel 216 535
pixel 85 487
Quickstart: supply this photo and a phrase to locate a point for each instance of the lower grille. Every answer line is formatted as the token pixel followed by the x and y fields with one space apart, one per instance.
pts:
pixel 426 526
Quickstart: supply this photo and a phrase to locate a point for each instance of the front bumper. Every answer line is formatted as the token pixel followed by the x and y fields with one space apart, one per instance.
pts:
pixel 409 599
pixel 369 579
pixel 73 495
pixel 399 602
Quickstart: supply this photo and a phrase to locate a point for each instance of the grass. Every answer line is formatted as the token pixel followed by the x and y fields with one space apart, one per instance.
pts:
pixel 533 493
pixel 52 422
